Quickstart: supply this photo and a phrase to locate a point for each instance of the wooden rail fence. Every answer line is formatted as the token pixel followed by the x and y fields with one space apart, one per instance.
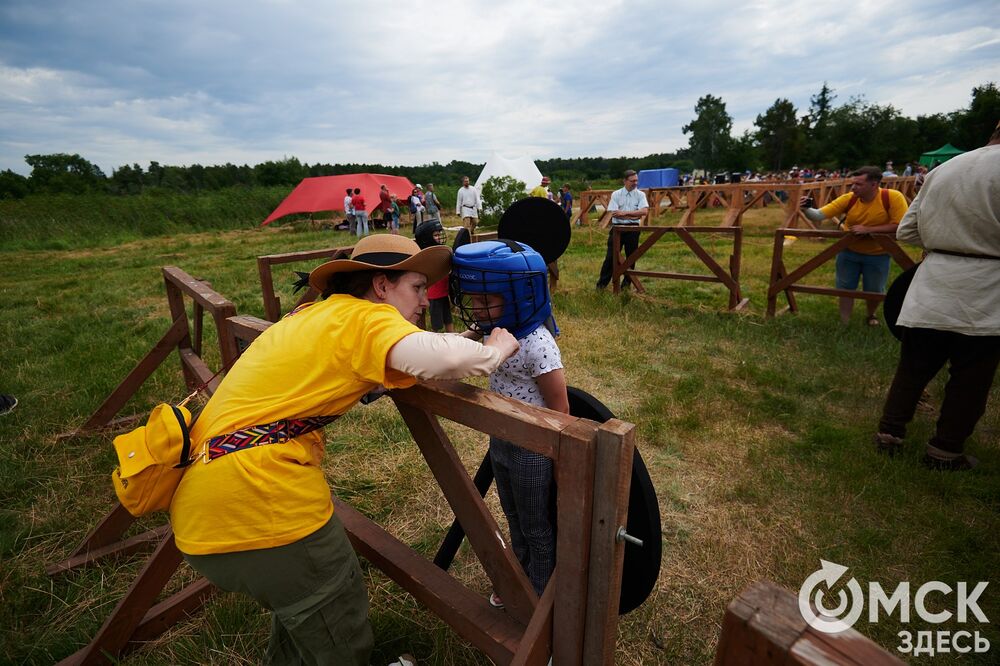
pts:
pixel 736 199
pixel 785 281
pixel 625 267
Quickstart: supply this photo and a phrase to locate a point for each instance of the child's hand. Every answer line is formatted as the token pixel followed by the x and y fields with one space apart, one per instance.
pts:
pixel 503 341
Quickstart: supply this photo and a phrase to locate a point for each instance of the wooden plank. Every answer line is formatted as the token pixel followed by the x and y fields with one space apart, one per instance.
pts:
pixel 109 530
pixel 170 611
pixel 305 255
pixel 246 327
pixel 193 363
pixel 612 478
pixel 536 643
pixel 575 480
pixel 131 609
pixel 534 428
pixel 493 631
pixel 811 265
pixel 707 259
pixel 139 374
pixel 198 290
pixel 831 291
pixel 136 544
pixel 493 551
pixel 272 304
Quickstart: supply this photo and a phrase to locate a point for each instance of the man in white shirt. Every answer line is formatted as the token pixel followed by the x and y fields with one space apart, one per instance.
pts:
pixel 467 205
pixel 630 207
pixel 951 313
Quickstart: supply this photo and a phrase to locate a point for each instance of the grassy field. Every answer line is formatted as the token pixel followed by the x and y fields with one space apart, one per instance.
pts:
pixel 757 434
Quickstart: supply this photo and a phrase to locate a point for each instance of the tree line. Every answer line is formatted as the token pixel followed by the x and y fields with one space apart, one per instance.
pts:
pixel 825 136
pixel 830 136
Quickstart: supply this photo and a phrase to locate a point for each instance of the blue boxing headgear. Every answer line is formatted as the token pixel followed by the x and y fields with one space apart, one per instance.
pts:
pixel 512 270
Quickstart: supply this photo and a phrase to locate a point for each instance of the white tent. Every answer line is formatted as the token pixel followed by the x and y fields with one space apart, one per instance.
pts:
pixel 520 168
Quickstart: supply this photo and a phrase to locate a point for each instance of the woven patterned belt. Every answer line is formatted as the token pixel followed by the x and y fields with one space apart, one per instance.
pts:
pixel 258 435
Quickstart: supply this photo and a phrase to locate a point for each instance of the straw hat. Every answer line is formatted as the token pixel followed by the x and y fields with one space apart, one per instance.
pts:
pixel 387 252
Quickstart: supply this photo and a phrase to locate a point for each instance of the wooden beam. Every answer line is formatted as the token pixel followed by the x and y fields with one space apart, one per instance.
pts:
pixel 494 553
pixel 491 630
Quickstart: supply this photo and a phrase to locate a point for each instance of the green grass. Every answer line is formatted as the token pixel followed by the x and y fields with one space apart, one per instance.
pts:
pixel 756 432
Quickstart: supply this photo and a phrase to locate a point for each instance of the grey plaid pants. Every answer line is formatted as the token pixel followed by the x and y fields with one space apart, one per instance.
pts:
pixel 524 484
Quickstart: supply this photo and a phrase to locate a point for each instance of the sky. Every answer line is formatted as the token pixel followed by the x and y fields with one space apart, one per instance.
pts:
pixel 124 82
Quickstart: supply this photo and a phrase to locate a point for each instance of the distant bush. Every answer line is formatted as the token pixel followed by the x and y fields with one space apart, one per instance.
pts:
pixel 59 221
pixel 499 192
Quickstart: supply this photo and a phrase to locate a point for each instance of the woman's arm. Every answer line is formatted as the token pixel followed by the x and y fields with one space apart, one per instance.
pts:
pixel 442 356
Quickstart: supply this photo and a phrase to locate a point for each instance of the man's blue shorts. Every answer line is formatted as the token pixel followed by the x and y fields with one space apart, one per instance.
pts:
pixel 873 268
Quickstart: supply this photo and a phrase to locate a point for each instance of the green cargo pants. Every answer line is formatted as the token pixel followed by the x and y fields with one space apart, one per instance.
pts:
pixel 314 590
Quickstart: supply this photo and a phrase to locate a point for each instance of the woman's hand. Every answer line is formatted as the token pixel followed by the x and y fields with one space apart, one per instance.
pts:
pixel 503 341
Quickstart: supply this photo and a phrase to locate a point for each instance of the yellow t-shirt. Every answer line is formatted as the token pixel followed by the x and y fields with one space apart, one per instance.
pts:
pixel 541 191
pixel 317 362
pixel 872 214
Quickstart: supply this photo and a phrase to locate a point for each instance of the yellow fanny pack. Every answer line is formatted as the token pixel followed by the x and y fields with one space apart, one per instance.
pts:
pixel 151 460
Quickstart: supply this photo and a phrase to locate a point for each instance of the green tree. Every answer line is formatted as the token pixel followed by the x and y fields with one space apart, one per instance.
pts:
pixel 710 139
pixel 62 173
pixel 499 192
pixel 779 135
pixel 976 124
pixel 816 124
pixel 12 185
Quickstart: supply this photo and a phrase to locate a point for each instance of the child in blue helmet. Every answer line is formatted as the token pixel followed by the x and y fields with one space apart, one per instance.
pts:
pixel 503 284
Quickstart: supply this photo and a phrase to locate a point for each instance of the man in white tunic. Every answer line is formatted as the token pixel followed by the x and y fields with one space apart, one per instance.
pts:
pixel 951 312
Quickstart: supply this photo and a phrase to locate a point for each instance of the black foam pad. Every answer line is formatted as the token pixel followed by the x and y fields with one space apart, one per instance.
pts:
pixel 539 223
pixel 642 564
pixel 894 296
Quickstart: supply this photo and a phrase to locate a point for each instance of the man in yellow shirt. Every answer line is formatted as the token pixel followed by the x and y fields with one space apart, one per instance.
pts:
pixel 542 190
pixel 256 516
pixel 868 209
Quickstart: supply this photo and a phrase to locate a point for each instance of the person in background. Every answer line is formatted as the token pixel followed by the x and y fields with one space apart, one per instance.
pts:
pixel 867 209
pixel 349 211
pixel 951 312
pixel 416 207
pixel 394 212
pixel 629 208
pixel 566 201
pixel 360 213
pixel 918 182
pixel 432 205
pixel 889 171
pixel 385 205
pixel 429 234
pixel 468 205
pixel 542 190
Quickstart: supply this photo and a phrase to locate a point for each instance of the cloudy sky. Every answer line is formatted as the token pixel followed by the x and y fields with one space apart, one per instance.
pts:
pixel 216 81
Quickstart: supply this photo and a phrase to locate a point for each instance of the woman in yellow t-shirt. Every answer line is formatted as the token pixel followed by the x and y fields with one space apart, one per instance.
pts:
pixel 258 518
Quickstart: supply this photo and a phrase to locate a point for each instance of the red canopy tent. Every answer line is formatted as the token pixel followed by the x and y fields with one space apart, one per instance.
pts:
pixel 328 192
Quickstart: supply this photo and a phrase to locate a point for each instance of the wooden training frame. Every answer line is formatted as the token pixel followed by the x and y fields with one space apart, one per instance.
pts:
pixel 272 303
pixel 763 626
pixel 737 199
pixel 783 280
pixel 580 629
pixel 622 268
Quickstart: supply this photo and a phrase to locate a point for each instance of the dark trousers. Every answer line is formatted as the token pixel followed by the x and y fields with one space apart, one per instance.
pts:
pixel 630 242
pixel 972 362
pixel 524 485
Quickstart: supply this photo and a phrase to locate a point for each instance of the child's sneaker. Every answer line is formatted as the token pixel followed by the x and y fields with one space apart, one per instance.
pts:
pixel 405 660
pixel 495 601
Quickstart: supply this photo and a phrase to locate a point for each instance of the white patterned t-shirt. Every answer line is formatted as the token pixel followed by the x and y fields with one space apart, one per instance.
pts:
pixel 516 377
